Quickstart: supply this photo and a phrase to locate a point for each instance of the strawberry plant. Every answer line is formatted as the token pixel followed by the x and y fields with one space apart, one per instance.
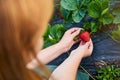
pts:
pixel 116 13
pixel 99 10
pixel 53 34
pixel 92 26
pixel 108 73
pixel 76 9
pixel 116 35
pixel 66 16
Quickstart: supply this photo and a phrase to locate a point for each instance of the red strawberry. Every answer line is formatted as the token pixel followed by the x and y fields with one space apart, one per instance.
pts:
pixel 85 36
pixel 61 16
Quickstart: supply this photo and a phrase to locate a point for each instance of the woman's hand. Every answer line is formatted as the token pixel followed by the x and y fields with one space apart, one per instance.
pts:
pixel 68 69
pixel 84 50
pixel 67 40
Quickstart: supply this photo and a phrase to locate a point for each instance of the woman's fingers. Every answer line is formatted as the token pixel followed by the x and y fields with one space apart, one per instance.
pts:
pixel 75 33
pixel 91 46
pixel 81 43
pixel 86 44
pixel 72 30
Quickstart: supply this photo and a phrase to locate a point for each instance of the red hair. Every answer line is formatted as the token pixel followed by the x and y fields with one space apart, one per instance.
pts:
pixel 21 23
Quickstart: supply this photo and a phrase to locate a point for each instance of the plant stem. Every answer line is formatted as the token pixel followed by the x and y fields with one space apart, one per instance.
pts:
pixel 82 3
pixel 87 72
pixel 111 37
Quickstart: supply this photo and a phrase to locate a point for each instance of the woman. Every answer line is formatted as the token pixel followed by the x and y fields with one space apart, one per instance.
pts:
pixel 22 25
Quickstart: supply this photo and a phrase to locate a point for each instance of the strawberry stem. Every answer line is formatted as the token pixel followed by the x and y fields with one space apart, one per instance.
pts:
pixel 76 38
pixel 82 31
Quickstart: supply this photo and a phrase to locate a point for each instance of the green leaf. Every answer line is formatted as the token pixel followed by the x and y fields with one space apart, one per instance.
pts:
pixel 107 18
pixel 116 11
pixel 60 32
pixel 69 4
pixel 116 19
pixel 119 27
pixel 65 13
pixel 86 26
pixel 105 4
pixel 116 35
pixel 82 12
pixel 104 11
pixel 94 9
pixel 78 15
pixel 57 32
pixel 79 3
pixel 108 73
pixel 93 27
pixel 54 35
pixel 67 24
pixel 86 2
pixel 47 31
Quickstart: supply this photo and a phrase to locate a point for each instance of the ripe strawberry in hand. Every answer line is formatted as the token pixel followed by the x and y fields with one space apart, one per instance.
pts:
pixel 85 36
